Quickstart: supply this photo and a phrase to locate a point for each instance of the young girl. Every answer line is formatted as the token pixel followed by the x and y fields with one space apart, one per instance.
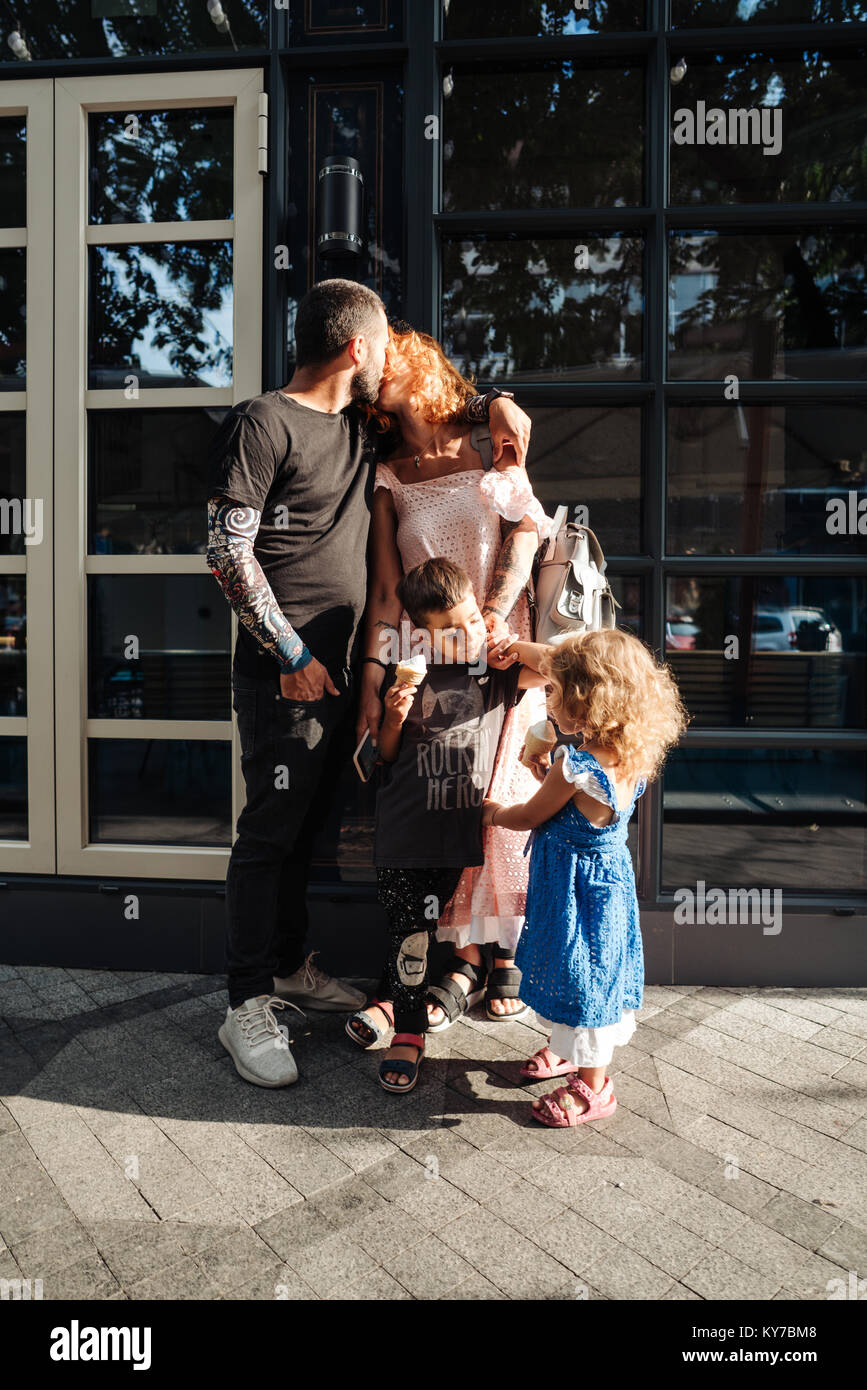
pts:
pixel 580 948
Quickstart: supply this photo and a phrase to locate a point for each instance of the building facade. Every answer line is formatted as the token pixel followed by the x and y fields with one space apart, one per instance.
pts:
pixel 647 218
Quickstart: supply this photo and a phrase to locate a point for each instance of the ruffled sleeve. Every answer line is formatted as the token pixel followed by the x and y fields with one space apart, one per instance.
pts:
pixel 385 478
pixel 509 492
pixel 581 774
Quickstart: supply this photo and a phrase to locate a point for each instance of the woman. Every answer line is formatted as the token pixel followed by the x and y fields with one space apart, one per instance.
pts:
pixel 435 497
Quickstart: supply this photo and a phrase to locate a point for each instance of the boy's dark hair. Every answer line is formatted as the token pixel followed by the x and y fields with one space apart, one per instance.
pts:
pixel 331 313
pixel 433 587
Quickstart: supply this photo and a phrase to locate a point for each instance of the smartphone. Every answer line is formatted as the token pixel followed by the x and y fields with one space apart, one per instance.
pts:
pixel 365 757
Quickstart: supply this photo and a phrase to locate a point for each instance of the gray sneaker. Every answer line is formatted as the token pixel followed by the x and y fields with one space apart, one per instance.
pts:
pixel 256 1043
pixel 316 990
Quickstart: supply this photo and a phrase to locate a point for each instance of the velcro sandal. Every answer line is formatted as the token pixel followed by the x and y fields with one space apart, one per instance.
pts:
pixel 504 982
pixel 373 1032
pixel 558 1111
pixel 400 1064
pixel 449 995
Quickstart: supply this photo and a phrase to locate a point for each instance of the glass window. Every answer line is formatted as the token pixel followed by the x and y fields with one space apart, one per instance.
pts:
pixel 781 304
pixel 318 21
pixel 158 647
pixel 13 314
pixel 125 28
pixel 13 171
pixel 541 18
pixel 767 479
pixel 697 14
pixel 590 457
pixel 544 308
pixel 362 118
pixel 793 819
pixel 14 823
pixel 783 651
pixel 628 590
pixel 161 166
pixel 160 792
pixel 13 488
pixel 13 645
pixel 793 130
pixel 147 480
pixel 161 312
pixel 548 136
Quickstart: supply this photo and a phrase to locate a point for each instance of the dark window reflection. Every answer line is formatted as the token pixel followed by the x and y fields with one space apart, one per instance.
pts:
pixel 789 304
pixel 13 473
pixel 147 477
pixel 13 789
pixel 590 457
pixel 160 792
pixel 13 313
pixel 532 18
pixel 317 21
pixel 361 117
pixel 697 14
pixel 793 819
pixel 530 308
pixel 13 645
pixel 13 171
pixel 562 136
pixel 775 652
pixel 161 312
pixel 161 166
pixel 124 28
pixel 158 647
pixel 814 119
pixel 766 479
pixel 628 590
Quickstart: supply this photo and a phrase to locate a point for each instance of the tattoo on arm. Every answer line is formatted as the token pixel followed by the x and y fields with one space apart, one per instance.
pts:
pixel 232 530
pixel 511 573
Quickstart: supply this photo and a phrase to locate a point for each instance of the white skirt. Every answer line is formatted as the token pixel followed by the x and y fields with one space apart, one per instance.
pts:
pixel 590 1047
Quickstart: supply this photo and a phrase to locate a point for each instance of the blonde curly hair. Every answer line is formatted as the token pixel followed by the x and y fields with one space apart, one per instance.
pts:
pixel 439 388
pixel 611 686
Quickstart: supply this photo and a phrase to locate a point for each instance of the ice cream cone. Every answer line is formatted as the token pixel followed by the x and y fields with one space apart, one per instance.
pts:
pixel 540 738
pixel 412 671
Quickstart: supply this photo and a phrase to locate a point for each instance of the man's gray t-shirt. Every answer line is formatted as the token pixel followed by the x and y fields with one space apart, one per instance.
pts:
pixel 429 800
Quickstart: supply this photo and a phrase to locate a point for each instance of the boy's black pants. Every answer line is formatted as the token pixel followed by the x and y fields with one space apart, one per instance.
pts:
pixel 413 900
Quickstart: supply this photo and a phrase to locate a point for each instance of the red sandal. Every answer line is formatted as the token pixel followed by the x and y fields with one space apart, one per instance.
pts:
pixel 557 1110
pixel 371 1029
pixel 400 1064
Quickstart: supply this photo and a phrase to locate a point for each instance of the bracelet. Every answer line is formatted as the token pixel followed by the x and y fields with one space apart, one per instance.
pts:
pixel 376 660
pixel 494 815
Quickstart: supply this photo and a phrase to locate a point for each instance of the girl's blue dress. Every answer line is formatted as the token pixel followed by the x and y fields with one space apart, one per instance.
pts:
pixel 580 951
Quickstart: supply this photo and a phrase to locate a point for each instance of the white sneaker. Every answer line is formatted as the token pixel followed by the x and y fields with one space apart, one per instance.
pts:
pixel 316 990
pixel 256 1043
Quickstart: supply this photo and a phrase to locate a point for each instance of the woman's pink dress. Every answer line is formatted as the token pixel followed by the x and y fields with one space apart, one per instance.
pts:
pixel 458 517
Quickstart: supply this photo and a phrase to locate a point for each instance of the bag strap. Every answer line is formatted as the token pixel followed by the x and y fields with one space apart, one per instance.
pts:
pixel 480 438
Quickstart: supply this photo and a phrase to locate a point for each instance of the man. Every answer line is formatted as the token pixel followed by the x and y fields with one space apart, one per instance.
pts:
pixel 290 491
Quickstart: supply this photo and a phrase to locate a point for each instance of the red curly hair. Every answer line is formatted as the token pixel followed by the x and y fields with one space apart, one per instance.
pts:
pixel 438 387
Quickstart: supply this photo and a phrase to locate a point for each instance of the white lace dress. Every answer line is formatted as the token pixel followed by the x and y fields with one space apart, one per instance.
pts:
pixel 588 1047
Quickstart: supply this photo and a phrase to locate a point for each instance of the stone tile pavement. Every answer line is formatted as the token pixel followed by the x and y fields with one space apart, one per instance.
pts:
pixel 135 1164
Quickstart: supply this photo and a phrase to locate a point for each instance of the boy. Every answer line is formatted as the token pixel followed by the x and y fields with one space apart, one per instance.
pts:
pixel 437 741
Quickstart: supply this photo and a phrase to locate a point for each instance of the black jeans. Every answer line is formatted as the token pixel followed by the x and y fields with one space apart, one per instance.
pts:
pixel 292 754
pixel 413 900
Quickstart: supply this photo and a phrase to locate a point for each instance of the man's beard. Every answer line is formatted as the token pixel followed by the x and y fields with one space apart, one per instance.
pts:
pixel 364 386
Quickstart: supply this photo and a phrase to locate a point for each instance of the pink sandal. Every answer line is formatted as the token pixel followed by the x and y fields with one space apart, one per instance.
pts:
pixel 547 1068
pixel 557 1110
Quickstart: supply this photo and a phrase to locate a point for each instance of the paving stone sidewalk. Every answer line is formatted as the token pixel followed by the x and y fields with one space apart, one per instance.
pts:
pixel 134 1163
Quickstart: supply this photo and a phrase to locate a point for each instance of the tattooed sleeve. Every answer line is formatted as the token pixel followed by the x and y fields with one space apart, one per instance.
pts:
pixel 232 530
